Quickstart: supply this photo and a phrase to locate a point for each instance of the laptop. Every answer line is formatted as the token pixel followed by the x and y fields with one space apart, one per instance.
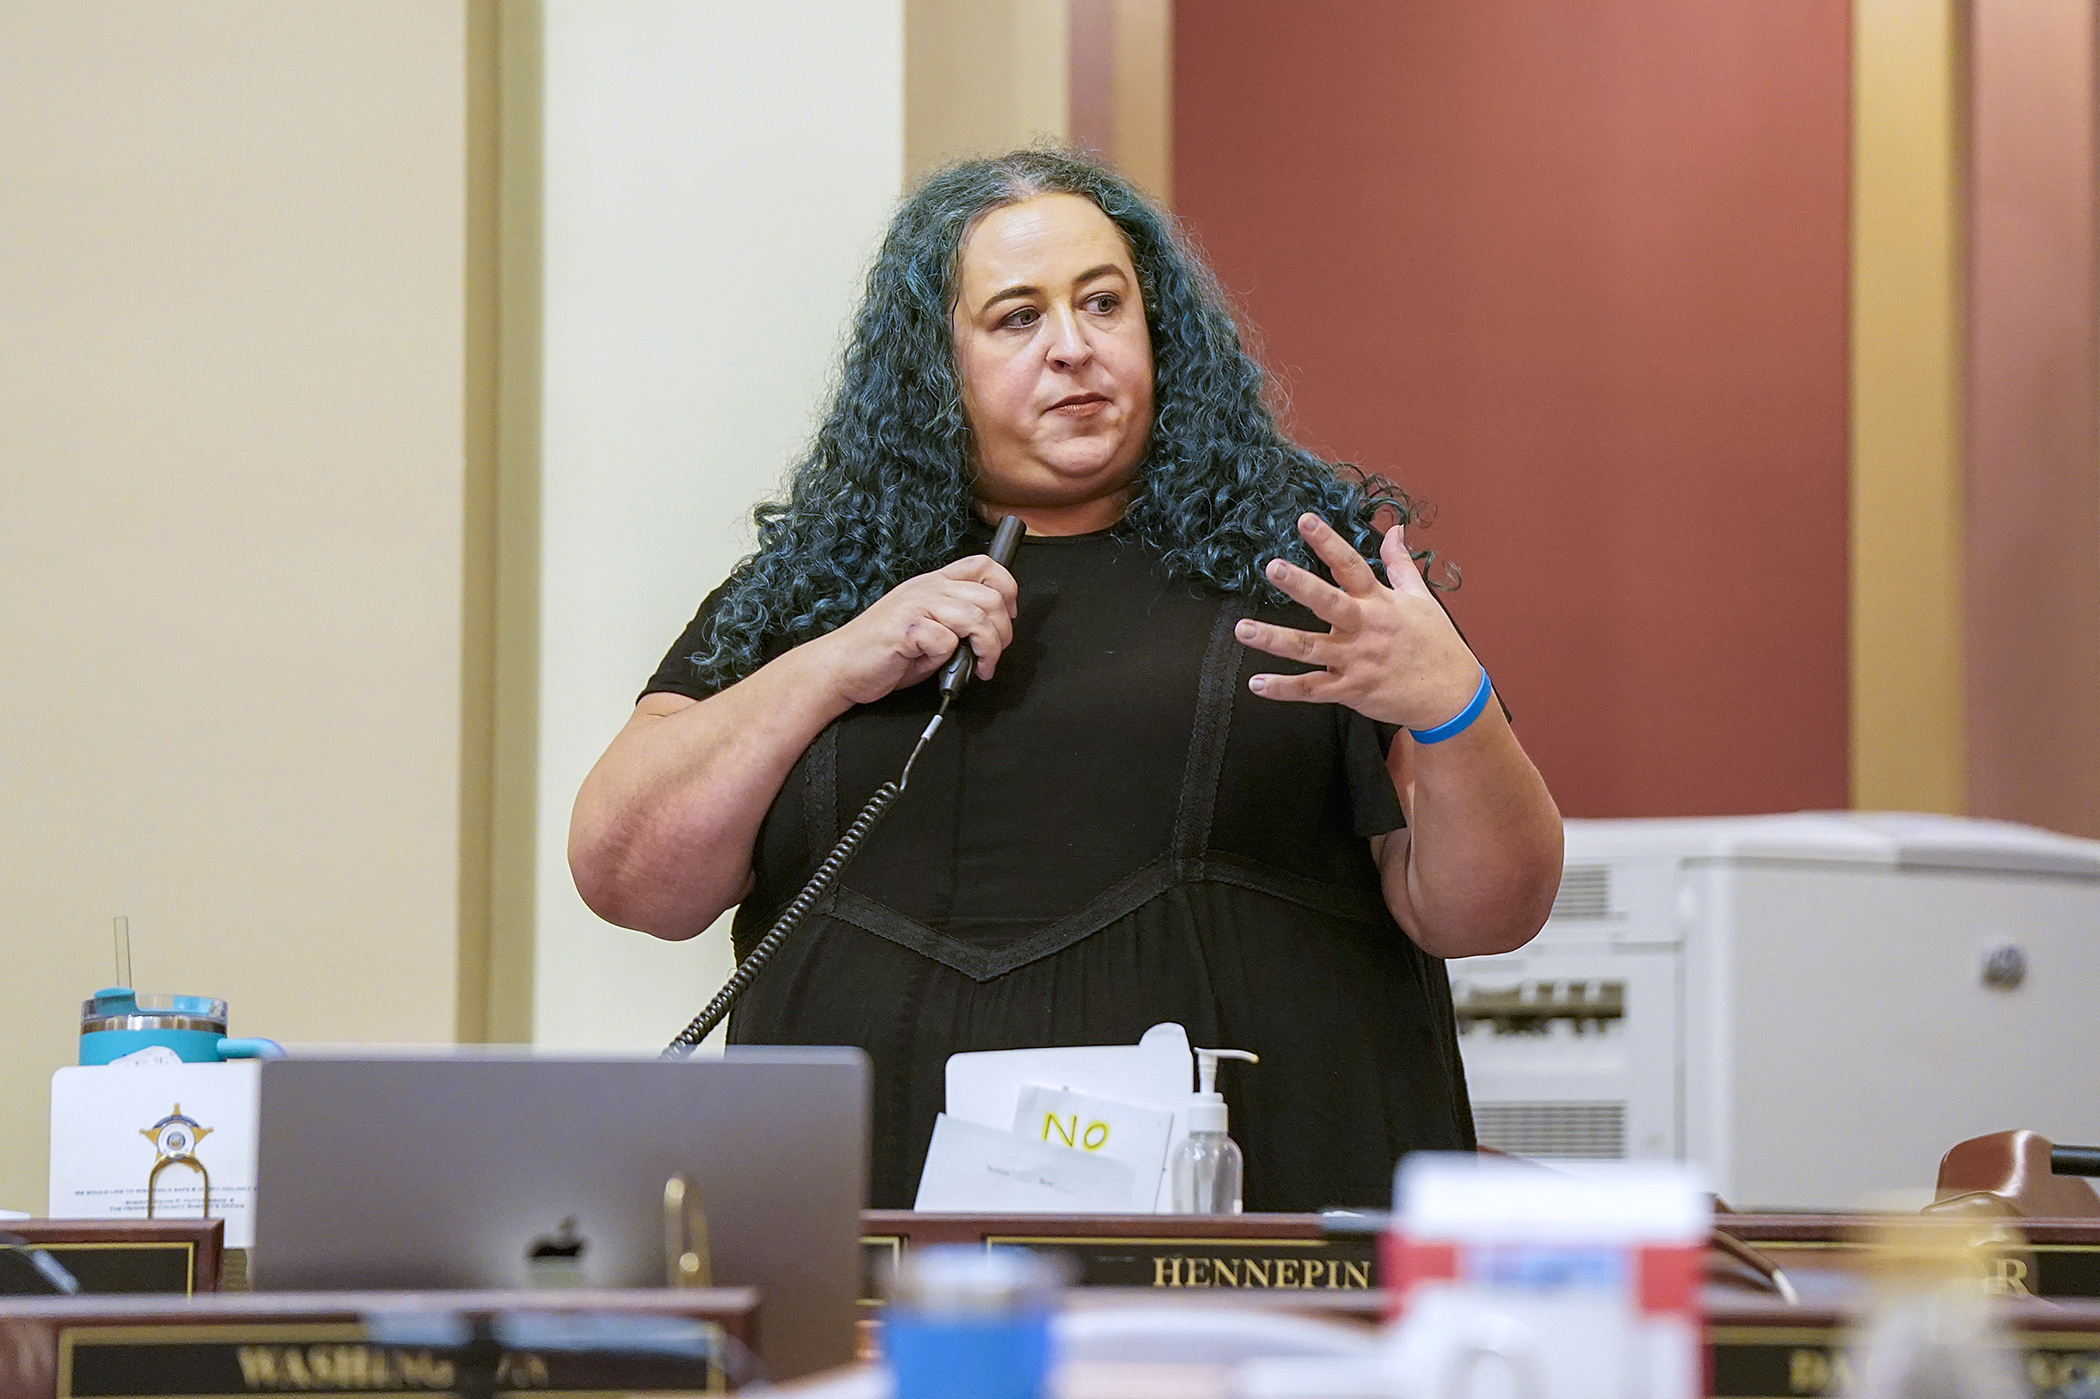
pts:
pixel 389 1172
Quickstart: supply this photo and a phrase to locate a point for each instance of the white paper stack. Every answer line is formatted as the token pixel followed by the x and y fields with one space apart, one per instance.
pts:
pixel 1082 1130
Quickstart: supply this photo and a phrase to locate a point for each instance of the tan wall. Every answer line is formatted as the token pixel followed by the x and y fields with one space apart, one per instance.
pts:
pixel 982 76
pixel 232 432
pixel 1907 622
pixel 1121 86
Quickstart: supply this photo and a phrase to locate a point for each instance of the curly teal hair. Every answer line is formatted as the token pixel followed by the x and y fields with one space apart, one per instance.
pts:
pixel 884 491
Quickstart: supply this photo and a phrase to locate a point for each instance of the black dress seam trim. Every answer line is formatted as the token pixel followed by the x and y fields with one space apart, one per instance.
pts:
pixel 820 799
pixel 1206 760
pixel 1120 900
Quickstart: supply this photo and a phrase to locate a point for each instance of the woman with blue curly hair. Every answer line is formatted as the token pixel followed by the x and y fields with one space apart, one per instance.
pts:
pixel 1179 788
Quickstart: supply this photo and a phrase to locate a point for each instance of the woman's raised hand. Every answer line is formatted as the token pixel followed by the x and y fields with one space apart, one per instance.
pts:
pixel 1392 655
pixel 912 629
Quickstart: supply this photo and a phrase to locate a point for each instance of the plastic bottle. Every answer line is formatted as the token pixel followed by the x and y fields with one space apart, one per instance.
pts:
pixel 1207 1165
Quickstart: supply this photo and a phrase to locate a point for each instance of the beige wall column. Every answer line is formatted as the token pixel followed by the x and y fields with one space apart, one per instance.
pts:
pixel 233 432
pixel 1122 87
pixel 2033 519
pixel 1906 574
pixel 983 76
pixel 716 176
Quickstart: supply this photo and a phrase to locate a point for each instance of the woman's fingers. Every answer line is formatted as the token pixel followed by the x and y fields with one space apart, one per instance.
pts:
pixel 1392 653
pixel 1400 565
pixel 913 629
pixel 990 607
pixel 1327 602
pixel 1353 579
pixel 1313 687
pixel 982 568
pixel 1340 556
pixel 1287 642
pixel 976 614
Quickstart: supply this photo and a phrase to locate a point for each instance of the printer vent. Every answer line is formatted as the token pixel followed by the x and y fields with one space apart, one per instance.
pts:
pixel 1593 1131
pixel 1585 892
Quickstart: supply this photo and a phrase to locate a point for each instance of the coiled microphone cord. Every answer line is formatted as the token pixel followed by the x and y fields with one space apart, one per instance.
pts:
pixel 819 884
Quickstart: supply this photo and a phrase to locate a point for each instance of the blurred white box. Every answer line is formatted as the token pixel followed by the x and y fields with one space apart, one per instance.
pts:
pixel 1811 1008
pixel 122 1131
pixel 1592 1285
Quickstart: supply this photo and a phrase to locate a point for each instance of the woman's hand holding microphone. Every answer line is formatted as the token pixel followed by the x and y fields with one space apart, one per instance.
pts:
pixel 912 630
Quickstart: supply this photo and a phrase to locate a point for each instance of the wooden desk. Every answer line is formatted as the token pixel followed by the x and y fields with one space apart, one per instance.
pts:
pixel 363 1342
pixel 1822 1254
pixel 1762 1346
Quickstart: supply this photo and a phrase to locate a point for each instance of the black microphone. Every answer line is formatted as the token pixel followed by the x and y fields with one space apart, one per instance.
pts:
pixel 963 664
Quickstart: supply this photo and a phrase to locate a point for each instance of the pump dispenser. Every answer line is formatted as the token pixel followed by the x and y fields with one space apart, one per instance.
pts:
pixel 1207 1165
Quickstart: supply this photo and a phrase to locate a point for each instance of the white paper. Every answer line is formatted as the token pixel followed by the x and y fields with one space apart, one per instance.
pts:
pixel 102 1150
pixel 1159 1071
pixel 1127 1132
pixel 982 1170
pixel 1483 1199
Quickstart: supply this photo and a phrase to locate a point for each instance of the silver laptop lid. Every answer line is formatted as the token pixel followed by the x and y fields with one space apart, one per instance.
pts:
pixel 392 1172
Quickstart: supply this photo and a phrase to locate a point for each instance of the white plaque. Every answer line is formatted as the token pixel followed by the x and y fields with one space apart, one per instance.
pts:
pixel 126 1135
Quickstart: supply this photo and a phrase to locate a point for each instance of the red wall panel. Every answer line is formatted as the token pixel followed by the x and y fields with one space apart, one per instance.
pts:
pixel 1576 274
pixel 2032 496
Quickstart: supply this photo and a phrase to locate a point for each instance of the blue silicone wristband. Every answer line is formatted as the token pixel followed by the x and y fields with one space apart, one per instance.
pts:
pixel 1451 728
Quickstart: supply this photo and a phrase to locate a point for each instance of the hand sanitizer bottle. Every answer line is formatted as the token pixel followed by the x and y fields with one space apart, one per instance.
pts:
pixel 1207 1165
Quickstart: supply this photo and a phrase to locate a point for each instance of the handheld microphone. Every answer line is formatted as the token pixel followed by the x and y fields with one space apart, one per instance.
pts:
pixel 963 664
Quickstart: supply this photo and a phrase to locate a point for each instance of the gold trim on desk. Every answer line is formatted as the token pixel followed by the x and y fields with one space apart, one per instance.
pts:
pixel 897 1244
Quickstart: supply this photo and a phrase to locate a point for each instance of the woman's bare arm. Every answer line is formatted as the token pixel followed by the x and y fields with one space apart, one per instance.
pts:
pixel 662 832
pixel 1476 868
pixel 1477 865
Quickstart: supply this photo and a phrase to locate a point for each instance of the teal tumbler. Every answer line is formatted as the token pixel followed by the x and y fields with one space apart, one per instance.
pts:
pixel 117 1021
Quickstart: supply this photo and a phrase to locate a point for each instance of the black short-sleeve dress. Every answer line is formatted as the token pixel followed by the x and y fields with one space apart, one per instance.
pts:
pixel 1110 833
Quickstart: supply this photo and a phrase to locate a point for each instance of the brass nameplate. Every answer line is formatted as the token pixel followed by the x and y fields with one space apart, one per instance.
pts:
pixel 193 1362
pixel 1345 1264
pixel 1768 1362
pixel 878 1254
pixel 122 1266
pixel 2055 1270
pixel 2065 1270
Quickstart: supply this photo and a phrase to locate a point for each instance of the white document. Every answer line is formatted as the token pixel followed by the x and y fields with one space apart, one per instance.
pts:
pixel 113 1124
pixel 982 1170
pixel 1136 1136
pixel 1159 1071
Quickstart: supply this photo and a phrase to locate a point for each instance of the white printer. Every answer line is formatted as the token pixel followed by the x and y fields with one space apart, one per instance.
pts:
pixel 1812 1007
